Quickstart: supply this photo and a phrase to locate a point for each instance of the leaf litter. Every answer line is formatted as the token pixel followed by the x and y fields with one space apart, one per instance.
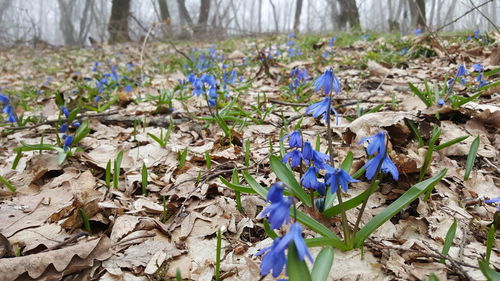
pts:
pixel 139 237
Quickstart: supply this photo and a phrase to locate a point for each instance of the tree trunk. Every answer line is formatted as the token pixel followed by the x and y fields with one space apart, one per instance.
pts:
pixel 417 11
pixel 118 22
pixel 296 21
pixel 276 20
pixel 260 16
pixel 201 27
pixel 349 14
pixel 164 12
pixel 185 18
pixel 65 23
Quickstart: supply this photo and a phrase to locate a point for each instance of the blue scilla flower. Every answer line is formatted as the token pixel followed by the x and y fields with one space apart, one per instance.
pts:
pixel 97 98
pixel 338 177
pixel 417 32
pixel 319 108
pixel 307 151
pixel 65 111
pixel 275 193
pixel 274 259
pixel 492 201
pixel 324 81
pixel 4 99
pixel 317 158
pixel 278 212
pixel 387 166
pixel 128 88
pixel 376 143
pixel 440 102
pixel 64 128
pixel 309 179
pixel 294 235
pixel 76 124
pixel 461 71
pixel 295 157
pixel 11 115
pixel 332 41
pixel 294 139
pixel 477 67
pixel 67 142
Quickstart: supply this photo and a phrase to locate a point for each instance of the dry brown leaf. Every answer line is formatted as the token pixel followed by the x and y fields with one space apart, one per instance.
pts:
pixel 56 263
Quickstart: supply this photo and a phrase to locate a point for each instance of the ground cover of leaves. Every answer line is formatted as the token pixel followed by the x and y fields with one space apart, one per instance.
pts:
pixel 129 239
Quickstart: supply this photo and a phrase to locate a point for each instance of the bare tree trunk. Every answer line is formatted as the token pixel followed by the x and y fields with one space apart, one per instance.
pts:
pixel 298 11
pixel 118 22
pixel 185 18
pixel 349 14
pixel 417 11
pixel 260 16
pixel 164 11
pixel 276 20
pixel 201 27
pixel 65 23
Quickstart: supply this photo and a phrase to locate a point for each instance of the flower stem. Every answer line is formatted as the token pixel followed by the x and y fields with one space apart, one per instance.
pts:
pixel 373 186
pixel 345 223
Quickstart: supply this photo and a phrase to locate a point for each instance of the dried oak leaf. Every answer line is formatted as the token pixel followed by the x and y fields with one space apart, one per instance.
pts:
pixel 55 264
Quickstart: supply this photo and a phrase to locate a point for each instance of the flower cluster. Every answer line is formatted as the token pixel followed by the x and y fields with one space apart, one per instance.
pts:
pixel 299 78
pixel 206 85
pixel 461 74
pixel 304 153
pixel 110 80
pixel 65 129
pixel 278 213
pixel 325 83
pixel 380 162
pixel 8 109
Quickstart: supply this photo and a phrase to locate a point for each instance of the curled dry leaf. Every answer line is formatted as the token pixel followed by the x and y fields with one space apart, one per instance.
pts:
pixel 55 264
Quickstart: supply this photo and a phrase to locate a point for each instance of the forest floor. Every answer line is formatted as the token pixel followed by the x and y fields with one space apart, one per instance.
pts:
pixel 72 217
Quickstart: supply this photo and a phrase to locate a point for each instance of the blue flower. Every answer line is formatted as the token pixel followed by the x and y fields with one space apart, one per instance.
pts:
pixel 417 32
pixel 11 116
pixel 492 201
pixel 273 260
pixel 332 41
pixel 461 71
pixel 64 128
pixel 295 139
pixel 76 124
pixel 309 179
pixel 326 81
pixel 338 177
pixel 68 142
pixel 440 102
pixel 478 67
pixel 307 151
pixel 4 99
pixel 65 111
pixel 319 108
pixel 295 156
pixel 295 235
pixel 97 98
pixel 278 212
pixel 128 88
pixel 463 81
pixel 275 193
pixel 386 167
pixel 376 143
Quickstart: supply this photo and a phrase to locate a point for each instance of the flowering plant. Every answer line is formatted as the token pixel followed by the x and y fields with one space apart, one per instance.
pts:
pixel 319 185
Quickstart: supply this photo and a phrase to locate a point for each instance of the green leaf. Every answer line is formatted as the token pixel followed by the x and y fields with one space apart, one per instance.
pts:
pixel 322 265
pixel 237 187
pixel 85 219
pixel 448 241
pixel 347 163
pixel 333 239
pixel 178 276
pixel 420 95
pixel 471 157
pixel 268 230
pixel 254 184
pixel 107 175
pixel 489 243
pixel 286 176
pixel 433 277
pixel 404 200
pixel 237 195
pixel 81 132
pixel 217 255
pixel 450 143
pixel 157 139
pixel 297 269
pixel 7 184
pixel 144 179
pixel 488 272
pixel 349 204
